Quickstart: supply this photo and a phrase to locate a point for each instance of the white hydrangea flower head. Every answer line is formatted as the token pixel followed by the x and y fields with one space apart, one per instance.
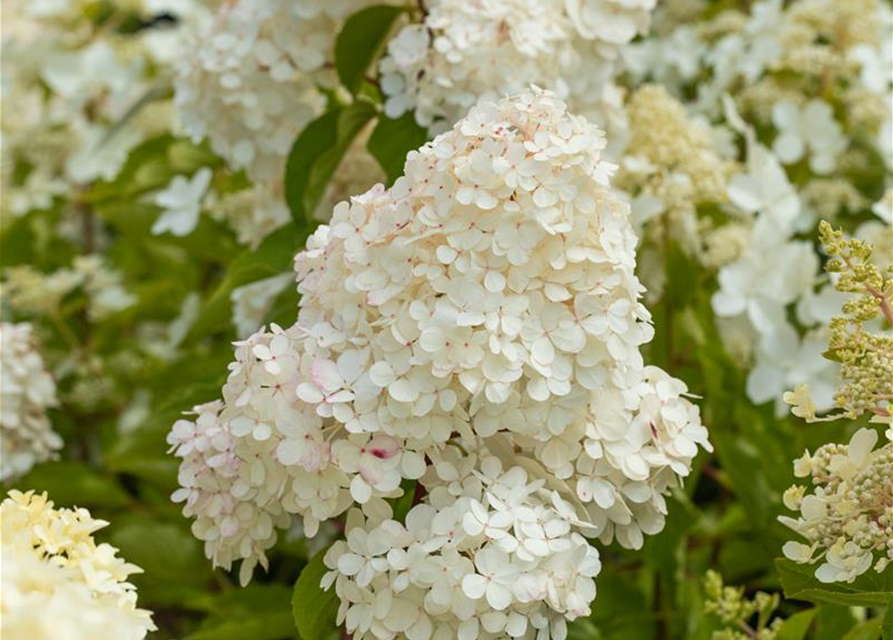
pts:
pixel 459 52
pixel 503 559
pixel 250 83
pixel 27 390
pixel 847 520
pixel 484 306
pixel 73 86
pixel 58 583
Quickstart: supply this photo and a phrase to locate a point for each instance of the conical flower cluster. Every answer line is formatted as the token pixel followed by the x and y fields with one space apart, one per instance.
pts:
pixel 476 327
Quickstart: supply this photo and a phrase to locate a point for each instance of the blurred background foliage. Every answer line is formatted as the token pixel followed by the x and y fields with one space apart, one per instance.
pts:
pixel 124 379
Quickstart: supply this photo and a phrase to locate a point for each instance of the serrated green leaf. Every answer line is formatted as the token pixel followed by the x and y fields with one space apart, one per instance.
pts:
pixel 314 610
pixel 869 590
pixel 392 140
pixel 315 156
pixel 361 41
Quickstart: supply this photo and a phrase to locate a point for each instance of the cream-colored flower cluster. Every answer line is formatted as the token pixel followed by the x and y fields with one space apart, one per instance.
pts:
pixel 493 554
pixel 462 50
pixel 57 582
pixel 670 166
pixel 26 392
pixel 30 292
pixel 251 82
pixel 847 520
pixel 72 84
pixel 807 87
pixel 485 305
pixel 255 76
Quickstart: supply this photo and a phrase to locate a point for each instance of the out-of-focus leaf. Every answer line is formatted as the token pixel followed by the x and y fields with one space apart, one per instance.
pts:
pixel 620 611
pixel 392 140
pixel 868 590
pixel 315 156
pixel 71 483
pixel 797 626
pixel 868 630
pixel 833 622
pixel 314 610
pixel 174 566
pixel 272 257
pixel 256 612
pixel 887 625
pixel 360 42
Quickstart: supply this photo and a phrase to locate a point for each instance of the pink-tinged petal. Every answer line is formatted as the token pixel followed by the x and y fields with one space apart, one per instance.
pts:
pixel 383 447
pixel 370 470
pixel 324 373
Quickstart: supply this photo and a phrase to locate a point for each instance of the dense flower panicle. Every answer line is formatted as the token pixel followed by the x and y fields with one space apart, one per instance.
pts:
pixel 847 520
pixel 503 558
pixel 461 49
pixel 486 302
pixel 26 391
pixel 251 82
pixel 255 76
pixel 57 582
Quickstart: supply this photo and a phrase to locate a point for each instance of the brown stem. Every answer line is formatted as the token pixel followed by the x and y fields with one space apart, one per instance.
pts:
pixel 885 303
pixel 746 628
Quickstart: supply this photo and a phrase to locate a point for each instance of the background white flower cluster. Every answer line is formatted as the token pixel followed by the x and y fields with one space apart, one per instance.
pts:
pixel 814 78
pixel 459 51
pixel 252 78
pixel 483 308
pixel 26 392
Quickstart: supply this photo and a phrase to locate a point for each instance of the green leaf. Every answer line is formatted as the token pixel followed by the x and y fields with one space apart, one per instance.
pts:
pixel 70 483
pixel 256 612
pixel 272 257
pixel 360 42
pixel 392 140
pixel 868 630
pixel 174 565
pixel 316 154
pixel 887 625
pixel 797 626
pixel 314 610
pixel 868 590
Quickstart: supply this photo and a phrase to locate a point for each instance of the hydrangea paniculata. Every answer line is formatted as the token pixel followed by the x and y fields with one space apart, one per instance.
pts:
pixel 27 390
pixel 480 315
